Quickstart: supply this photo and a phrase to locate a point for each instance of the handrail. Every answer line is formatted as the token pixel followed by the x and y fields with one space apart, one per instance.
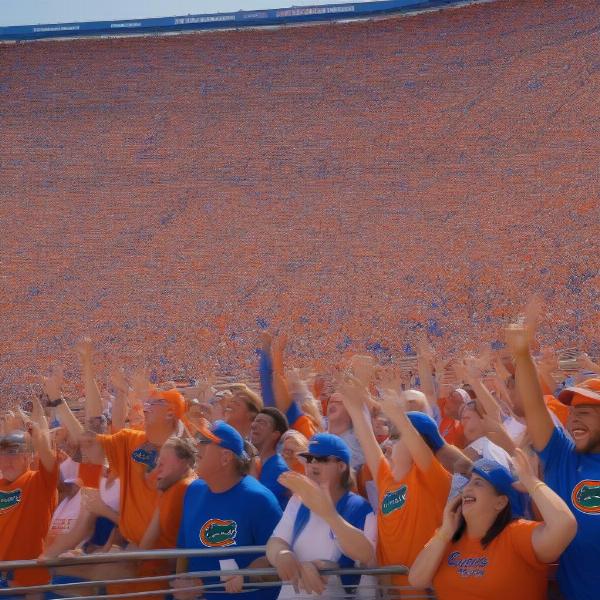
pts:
pixel 125 556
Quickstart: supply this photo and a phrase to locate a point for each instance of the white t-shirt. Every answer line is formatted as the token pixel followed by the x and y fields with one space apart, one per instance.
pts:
pixel 487 449
pixel 514 428
pixel 111 495
pixel 65 515
pixel 317 542
pixel 357 456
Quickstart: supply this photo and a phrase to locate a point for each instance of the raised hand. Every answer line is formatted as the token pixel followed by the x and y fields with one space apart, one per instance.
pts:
pixel 53 383
pixel 315 497
pixel 84 349
pixel 390 401
pixel 524 470
pixel 363 368
pixel 451 518
pixel 354 394
pixel 119 382
pixel 277 351
pixel 424 350
pixel 140 383
pixel 518 338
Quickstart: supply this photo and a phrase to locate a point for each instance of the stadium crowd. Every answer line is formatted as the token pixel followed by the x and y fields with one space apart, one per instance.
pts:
pixel 480 474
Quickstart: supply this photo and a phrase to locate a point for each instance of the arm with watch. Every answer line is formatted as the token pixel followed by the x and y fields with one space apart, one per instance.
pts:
pixel 52 387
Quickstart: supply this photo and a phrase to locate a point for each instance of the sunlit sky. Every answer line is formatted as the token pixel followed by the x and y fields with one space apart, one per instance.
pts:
pixel 34 12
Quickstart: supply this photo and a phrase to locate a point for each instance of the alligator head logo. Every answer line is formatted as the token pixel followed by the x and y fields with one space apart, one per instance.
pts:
pixel 586 496
pixel 394 500
pixel 218 533
pixel 9 500
pixel 145 456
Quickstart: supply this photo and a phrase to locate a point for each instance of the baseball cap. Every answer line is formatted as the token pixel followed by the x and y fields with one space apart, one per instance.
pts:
pixel 15 442
pixel 173 397
pixel 328 444
pixel 502 480
pixel 223 435
pixel 428 429
pixel 463 394
pixel 587 392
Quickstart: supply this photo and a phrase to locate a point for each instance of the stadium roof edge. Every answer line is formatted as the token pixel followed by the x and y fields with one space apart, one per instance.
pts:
pixel 256 19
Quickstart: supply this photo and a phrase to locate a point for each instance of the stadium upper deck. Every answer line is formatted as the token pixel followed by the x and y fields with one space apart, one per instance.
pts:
pixel 353 184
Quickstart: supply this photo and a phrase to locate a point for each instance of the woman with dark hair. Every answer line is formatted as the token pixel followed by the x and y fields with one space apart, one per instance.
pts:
pixel 324 524
pixel 482 552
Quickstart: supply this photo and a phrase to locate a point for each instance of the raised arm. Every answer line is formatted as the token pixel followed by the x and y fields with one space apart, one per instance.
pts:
pixel 354 398
pixel 484 396
pixel 426 564
pixel 119 406
pixel 419 450
pixel 40 436
pixel 539 422
pixel 552 537
pixel 424 361
pixel 265 369
pixel 93 400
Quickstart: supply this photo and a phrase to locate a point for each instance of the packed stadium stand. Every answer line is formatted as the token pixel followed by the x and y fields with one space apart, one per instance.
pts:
pixel 353 184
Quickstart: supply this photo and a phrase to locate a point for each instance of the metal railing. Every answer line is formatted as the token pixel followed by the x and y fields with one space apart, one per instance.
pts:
pixel 370 586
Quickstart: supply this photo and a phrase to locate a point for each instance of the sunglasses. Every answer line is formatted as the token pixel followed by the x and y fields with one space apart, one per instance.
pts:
pixel 13 443
pixel 310 458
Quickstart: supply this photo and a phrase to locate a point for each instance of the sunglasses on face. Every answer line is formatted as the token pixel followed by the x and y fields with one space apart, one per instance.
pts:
pixel 320 459
pixel 13 443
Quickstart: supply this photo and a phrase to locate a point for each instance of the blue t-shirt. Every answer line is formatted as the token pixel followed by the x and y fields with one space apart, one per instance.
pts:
pixel 269 473
pixel 575 477
pixel 244 515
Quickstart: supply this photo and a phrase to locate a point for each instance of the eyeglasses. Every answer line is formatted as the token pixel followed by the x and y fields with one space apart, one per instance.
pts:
pixel 13 443
pixel 148 404
pixel 310 458
pixel 202 440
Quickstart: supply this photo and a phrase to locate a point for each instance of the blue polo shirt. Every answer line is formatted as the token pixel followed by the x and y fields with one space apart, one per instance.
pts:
pixel 575 477
pixel 271 470
pixel 244 515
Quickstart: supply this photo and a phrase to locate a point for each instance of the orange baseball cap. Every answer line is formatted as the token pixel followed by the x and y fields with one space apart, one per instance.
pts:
pixel 173 397
pixel 558 408
pixel 587 392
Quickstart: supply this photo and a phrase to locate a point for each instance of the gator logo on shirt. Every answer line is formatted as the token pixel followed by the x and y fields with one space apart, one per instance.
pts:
pixel 586 497
pixel 217 533
pixel 145 457
pixel 8 500
pixel 394 500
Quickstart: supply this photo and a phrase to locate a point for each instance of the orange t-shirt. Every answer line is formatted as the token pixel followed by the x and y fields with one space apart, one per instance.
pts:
pixel 170 507
pixel 410 510
pixel 507 568
pixel 305 426
pixel 131 458
pixel 26 507
pixel 90 475
pixel 450 429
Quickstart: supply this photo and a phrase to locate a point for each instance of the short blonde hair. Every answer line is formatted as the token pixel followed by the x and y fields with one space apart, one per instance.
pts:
pixel 252 399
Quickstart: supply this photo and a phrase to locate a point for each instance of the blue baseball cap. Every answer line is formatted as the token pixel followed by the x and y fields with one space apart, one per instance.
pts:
pixel 328 444
pixel 223 435
pixel 502 480
pixel 428 429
